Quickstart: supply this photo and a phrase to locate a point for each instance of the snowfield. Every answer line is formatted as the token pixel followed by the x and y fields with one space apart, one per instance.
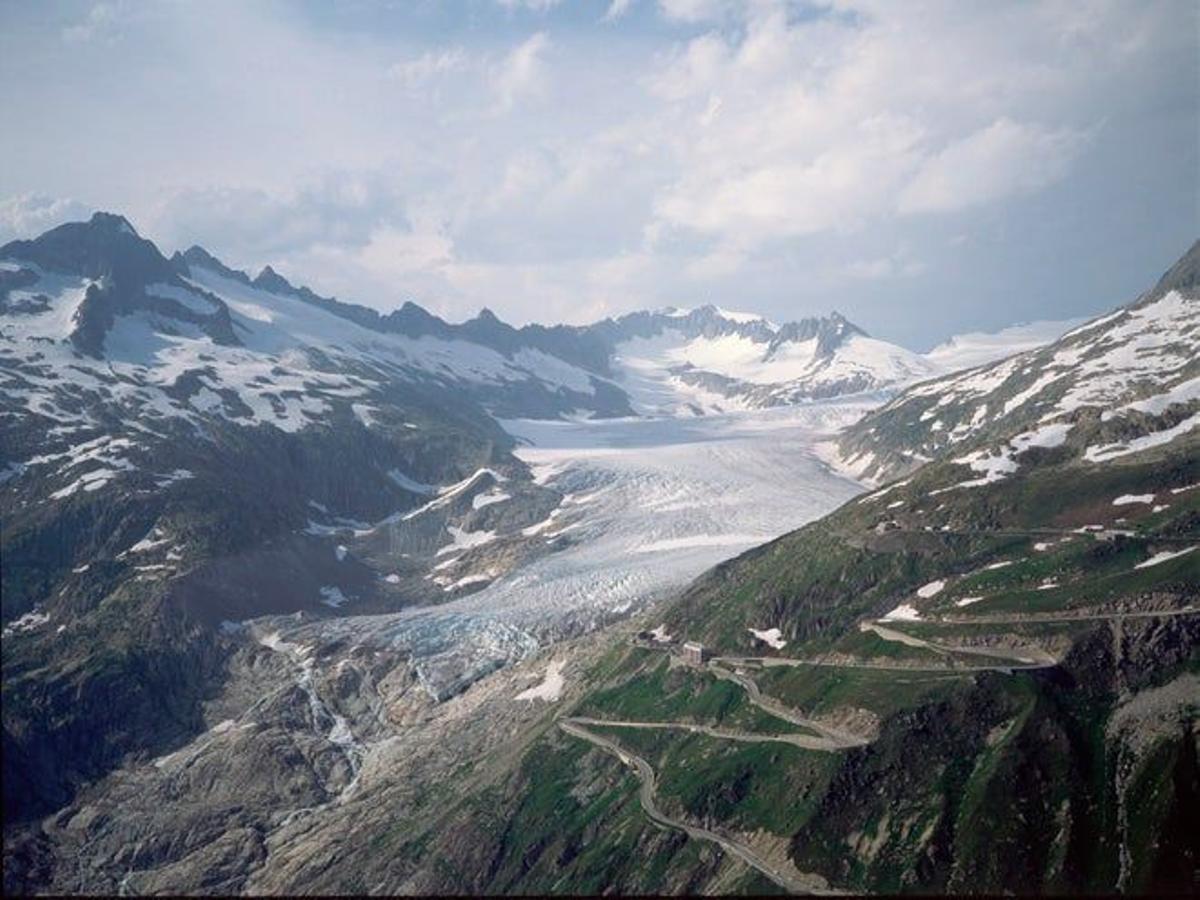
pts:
pixel 978 348
pixel 1135 367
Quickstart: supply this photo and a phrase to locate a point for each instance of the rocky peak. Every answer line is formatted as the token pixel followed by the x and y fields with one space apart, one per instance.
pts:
pixel 1184 276
pixel 106 246
pixel 829 331
pixel 415 321
pixel 112 222
pixel 126 272
pixel 490 331
pixel 270 280
pixel 196 255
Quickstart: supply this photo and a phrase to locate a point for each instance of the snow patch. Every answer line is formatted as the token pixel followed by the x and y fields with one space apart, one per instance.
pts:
pixel 1162 557
pixel 30 621
pixel 905 612
pixel 364 414
pixel 467 581
pixel 410 484
pixel 771 637
pixel 1126 499
pixel 931 590
pixel 465 540
pixel 149 542
pixel 495 495
pixel 1145 442
pixel 551 686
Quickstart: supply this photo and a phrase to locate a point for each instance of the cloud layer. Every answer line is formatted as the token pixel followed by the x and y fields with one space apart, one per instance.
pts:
pixel 567 161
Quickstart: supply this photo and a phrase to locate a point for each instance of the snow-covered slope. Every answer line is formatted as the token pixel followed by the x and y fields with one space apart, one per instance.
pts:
pixel 157 340
pixel 235 418
pixel 977 348
pixel 1124 383
pixel 712 360
pixel 189 336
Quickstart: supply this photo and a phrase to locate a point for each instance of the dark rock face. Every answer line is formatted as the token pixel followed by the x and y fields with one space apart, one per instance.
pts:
pixel 830 333
pixel 137 654
pixel 106 246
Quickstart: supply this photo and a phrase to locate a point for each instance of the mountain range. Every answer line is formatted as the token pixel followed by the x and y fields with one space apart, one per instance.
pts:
pixel 263 552
pixel 113 298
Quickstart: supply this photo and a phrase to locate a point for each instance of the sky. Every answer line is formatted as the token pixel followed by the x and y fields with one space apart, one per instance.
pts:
pixel 925 167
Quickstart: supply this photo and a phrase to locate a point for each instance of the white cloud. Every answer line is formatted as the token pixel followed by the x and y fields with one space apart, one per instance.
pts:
pixel 840 123
pixel 1003 159
pixel 535 5
pixel 773 150
pixel 896 265
pixel 791 189
pixel 28 215
pixel 399 252
pixel 254 226
pixel 100 23
pixel 522 72
pixel 413 73
pixel 616 9
pixel 696 10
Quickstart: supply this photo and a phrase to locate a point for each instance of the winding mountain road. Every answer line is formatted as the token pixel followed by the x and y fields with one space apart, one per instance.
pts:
pixel 1039 659
pixel 834 738
pixel 1018 660
pixel 768 662
pixel 1048 532
pixel 796 883
pixel 804 741
pixel 1038 618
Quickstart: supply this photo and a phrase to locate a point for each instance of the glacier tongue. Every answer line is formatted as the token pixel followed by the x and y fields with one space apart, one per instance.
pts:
pixel 649 505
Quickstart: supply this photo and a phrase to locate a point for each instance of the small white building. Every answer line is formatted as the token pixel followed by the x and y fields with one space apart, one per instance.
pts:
pixel 694 653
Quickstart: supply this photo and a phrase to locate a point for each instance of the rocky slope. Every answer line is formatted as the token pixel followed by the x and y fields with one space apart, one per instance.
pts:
pixel 1110 450
pixel 182 449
